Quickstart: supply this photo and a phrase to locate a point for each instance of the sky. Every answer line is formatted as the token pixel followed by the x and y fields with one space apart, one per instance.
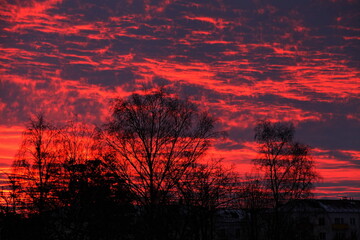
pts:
pixel 243 61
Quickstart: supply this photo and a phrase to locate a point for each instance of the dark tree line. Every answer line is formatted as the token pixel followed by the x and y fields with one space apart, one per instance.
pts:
pixel 144 175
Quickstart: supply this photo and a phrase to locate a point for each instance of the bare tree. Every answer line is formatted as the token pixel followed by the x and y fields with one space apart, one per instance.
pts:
pixel 78 143
pixel 36 165
pixel 206 188
pixel 10 195
pixel 156 138
pixel 253 194
pixel 77 146
pixel 287 165
pixel 288 169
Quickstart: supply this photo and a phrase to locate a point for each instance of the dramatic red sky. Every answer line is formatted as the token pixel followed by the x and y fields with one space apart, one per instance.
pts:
pixel 242 60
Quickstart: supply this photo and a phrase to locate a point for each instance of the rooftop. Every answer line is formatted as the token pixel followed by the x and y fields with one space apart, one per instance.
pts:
pixel 321 205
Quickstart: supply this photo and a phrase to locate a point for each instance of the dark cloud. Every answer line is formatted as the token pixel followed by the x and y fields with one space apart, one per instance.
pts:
pixel 337 132
pixel 111 77
pixel 339 183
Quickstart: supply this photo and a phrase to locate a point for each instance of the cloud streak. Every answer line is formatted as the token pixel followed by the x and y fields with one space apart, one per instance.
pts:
pixel 241 60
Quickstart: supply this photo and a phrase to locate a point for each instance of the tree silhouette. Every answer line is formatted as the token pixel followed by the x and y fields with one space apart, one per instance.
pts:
pixel 78 142
pixel 287 165
pixel 97 204
pixel 144 176
pixel 141 172
pixel 35 173
pixel 10 195
pixel 92 199
pixel 156 138
pixel 36 166
pixel 204 189
pixel 289 171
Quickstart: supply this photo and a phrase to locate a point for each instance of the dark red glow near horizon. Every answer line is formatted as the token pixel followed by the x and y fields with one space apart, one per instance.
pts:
pixel 241 60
